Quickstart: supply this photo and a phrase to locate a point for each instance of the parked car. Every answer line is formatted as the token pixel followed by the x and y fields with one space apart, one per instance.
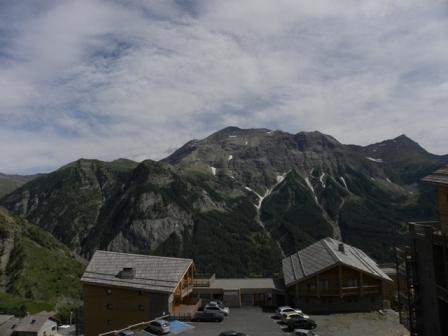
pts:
pixel 301 323
pixel 201 316
pixel 220 305
pixel 126 333
pixel 285 309
pixel 219 302
pixel 216 309
pixel 304 332
pixel 232 333
pixel 293 315
pixel 159 327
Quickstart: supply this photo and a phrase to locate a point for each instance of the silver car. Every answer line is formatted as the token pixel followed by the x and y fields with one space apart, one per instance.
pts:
pixel 209 308
pixel 225 310
pixel 159 327
pixel 126 333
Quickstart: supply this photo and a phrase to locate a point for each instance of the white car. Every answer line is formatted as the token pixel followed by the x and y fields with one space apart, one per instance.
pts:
pixel 294 314
pixel 158 327
pixel 285 309
pixel 304 332
pixel 210 308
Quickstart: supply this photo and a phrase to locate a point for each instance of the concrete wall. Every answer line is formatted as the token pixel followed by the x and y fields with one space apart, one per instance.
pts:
pixel 125 307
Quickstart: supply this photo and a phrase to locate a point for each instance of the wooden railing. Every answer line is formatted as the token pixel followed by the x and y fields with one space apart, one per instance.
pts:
pixel 203 280
pixel 187 309
pixel 355 290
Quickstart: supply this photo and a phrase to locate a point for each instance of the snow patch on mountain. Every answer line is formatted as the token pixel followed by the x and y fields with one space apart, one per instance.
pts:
pixel 322 181
pixel 344 182
pixel 280 178
pixel 308 183
pixel 374 160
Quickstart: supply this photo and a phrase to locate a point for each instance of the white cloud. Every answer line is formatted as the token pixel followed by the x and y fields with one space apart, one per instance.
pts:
pixel 112 79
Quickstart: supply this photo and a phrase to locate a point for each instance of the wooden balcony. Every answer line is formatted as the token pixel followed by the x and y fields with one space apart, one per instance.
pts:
pixel 203 280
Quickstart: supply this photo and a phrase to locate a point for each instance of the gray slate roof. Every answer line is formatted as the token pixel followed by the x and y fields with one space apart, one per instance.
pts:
pixel 438 177
pixel 32 323
pixel 323 255
pixel 4 318
pixel 152 273
pixel 6 324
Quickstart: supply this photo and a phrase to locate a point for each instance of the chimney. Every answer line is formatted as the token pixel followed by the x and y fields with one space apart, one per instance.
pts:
pixel 127 272
pixel 341 247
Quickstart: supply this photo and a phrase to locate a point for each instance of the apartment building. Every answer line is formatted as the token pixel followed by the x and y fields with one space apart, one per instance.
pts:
pixel 422 269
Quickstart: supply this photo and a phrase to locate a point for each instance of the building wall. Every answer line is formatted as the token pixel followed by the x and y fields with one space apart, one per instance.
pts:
pixel 336 304
pixel 442 192
pixel 428 321
pixel 247 296
pixel 338 290
pixel 109 308
pixel 390 289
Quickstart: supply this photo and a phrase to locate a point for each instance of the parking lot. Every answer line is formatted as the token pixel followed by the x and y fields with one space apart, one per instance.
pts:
pixel 250 320
pixel 254 322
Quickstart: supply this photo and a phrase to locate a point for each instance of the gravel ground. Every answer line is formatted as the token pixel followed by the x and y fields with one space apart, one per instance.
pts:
pixel 360 324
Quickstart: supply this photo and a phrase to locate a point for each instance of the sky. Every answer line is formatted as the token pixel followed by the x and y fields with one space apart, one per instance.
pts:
pixel 138 79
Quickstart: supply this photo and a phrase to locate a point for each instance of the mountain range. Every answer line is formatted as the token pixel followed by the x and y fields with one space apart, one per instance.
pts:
pixel 236 201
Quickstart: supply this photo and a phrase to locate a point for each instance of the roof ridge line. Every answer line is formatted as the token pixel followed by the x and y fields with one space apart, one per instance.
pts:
pixel 330 251
pixel 359 257
pixel 292 266
pixel 142 255
pixel 86 273
pixel 301 264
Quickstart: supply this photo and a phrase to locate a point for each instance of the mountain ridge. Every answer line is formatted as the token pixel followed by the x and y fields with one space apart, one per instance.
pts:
pixel 258 192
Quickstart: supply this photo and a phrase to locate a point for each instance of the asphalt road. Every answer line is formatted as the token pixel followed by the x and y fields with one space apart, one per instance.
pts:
pixel 254 322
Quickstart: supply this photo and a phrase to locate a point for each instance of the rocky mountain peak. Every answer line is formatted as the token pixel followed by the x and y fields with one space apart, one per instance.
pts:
pixel 316 139
pixel 397 149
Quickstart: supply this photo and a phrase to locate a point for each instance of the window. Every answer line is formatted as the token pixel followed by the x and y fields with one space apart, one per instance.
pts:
pixel 109 322
pixel 323 283
pixel 311 288
pixel 141 307
pixel 33 321
pixel 140 293
pixel 109 306
pixel 352 282
pixel 109 291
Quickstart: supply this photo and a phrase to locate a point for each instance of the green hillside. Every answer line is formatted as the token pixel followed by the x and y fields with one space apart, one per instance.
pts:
pixel 36 270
